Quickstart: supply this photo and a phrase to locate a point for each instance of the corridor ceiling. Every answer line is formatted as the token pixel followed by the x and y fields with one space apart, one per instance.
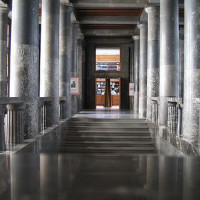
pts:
pixel 108 18
pixel 111 18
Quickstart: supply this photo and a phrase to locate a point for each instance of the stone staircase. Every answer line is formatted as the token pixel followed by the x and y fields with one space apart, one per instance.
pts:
pixel 92 135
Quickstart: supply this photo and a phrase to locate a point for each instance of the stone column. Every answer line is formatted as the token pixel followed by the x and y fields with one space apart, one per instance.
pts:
pixel 143 70
pixel 131 78
pixel 80 69
pixel 74 73
pixel 169 54
pixel 49 66
pixel 65 57
pixel 181 62
pixel 136 72
pixel 153 56
pixel 2 129
pixel 3 50
pixel 24 68
pixel 191 70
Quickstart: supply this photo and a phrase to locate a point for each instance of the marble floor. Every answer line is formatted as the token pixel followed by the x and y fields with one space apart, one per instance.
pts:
pixel 98 155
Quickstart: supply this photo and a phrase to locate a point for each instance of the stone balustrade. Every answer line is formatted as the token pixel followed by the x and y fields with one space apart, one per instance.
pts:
pixel 154 109
pixel 11 121
pixel 63 107
pixel 174 116
pixel 12 118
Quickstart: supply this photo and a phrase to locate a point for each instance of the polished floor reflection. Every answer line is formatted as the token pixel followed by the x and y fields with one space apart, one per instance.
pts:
pixel 96 157
pixel 75 177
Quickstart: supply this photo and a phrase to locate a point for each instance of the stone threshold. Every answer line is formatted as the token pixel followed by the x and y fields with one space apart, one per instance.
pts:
pixel 27 142
pixel 186 147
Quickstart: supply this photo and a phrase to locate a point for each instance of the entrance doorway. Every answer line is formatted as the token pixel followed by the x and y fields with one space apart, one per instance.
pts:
pixel 114 92
pixel 108 89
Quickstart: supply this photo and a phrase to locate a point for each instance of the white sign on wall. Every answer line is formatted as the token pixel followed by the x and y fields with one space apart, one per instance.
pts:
pixel 131 89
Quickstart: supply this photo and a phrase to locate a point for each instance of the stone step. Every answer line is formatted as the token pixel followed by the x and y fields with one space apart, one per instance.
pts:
pixel 132 132
pixel 109 126
pixel 137 150
pixel 107 144
pixel 105 129
pixel 103 134
pixel 107 138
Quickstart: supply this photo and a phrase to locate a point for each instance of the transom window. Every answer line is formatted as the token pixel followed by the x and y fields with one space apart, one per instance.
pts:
pixel 108 59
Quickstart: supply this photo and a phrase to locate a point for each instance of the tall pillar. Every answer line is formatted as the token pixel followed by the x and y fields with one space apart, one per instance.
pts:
pixel 136 72
pixel 49 66
pixel 74 73
pixel 80 70
pixel 143 70
pixel 24 69
pixel 169 54
pixel 191 70
pixel 181 62
pixel 3 50
pixel 153 56
pixel 65 57
pixel 131 78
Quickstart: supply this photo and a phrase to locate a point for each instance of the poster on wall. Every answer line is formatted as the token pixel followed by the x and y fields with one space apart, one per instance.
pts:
pixel 75 86
pixel 131 89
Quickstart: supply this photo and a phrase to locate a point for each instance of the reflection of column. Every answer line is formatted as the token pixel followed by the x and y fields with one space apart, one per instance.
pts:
pixel 2 130
pixel 49 67
pixel 80 69
pixel 3 51
pixel 25 180
pixel 136 72
pixel 169 34
pixel 153 56
pixel 143 169
pixel 168 178
pixel 24 70
pixel 152 176
pixel 143 70
pixel 4 174
pixel 191 69
pixel 49 176
pixel 75 26
pixel 15 124
pixel 64 57
pixel 191 180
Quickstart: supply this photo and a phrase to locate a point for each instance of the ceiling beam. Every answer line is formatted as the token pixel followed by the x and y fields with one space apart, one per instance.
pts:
pixel 110 4
pixel 109 20
pixel 107 32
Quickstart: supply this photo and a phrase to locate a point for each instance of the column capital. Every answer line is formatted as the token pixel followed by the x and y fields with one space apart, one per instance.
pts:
pixel 75 24
pixel 136 37
pixel 152 10
pixel 69 6
pixel 142 25
pixel 80 37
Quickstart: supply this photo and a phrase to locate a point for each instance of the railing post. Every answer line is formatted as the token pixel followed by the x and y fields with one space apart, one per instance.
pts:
pixel 15 123
pixel 2 128
pixel 172 117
